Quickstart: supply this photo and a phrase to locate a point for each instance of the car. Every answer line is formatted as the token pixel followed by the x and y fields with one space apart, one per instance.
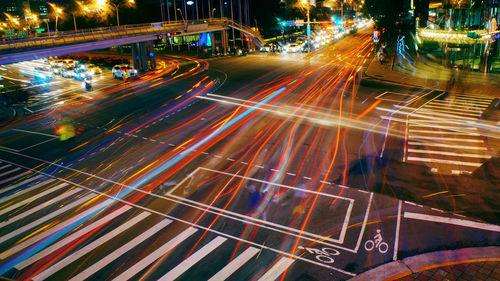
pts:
pixel 67 71
pixel 293 48
pixel 123 71
pixel 56 70
pixel 80 74
pixel 266 48
pixel 69 62
pixel 93 68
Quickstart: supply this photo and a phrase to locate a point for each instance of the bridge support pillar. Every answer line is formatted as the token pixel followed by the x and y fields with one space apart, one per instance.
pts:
pixel 224 41
pixel 143 56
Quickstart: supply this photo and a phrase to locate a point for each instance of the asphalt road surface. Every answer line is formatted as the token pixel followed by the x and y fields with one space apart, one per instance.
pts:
pixel 238 168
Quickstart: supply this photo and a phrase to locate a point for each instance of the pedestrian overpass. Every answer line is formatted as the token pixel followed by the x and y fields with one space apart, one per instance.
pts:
pixel 140 36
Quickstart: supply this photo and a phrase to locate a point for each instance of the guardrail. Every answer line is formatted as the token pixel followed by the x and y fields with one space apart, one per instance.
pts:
pixel 103 33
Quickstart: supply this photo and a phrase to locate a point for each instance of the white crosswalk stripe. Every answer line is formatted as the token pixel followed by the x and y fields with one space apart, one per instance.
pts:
pixel 13 178
pixel 25 190
pixel 446 139
pixel 277 269
pixel 42 219
pixel 9 172
pixel 133 270
pixel 121 251
pixel 39 195
pixel 193 259
pixel 72 237
pixel 90 247
pixel 235 264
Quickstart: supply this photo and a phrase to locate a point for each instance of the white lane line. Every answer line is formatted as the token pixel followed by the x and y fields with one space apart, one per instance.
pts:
pixel 186 264
pixel 10 172
pixel 72 237
pixel 235 264
pixel 35 133
pixel 449 153
pixel 442 161
pixel 42 219
pixel 133 270
pixel 22 191
pixel 277 269
pixel 447 220
pixel 6 166
pixel 120 251
pixel 90 247
pixel 447 145
pixel 13 178
pixel 474 99
pixel 442 132
pixel 31 198
pixel 396 240
pixel 445 139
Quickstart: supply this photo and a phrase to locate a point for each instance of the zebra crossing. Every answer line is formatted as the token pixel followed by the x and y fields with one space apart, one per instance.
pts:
pixel 446 134
pixel 48 225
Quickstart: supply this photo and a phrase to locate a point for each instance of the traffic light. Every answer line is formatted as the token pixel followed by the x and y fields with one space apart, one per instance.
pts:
pixel 169 34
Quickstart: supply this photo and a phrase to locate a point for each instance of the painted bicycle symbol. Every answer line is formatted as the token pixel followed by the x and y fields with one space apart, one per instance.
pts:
pixel 377 243
pixel 323 255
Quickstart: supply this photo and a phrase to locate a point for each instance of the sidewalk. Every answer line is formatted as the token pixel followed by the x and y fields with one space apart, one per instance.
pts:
pixel 462 264
pixel 427 72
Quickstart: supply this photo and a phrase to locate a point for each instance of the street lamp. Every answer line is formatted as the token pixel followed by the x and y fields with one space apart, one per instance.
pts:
pixel 131 2
pixel 183 19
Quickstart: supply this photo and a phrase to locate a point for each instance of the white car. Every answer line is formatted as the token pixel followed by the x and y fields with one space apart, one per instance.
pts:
pixel 67 71
pixel 124 71
pixel 292 48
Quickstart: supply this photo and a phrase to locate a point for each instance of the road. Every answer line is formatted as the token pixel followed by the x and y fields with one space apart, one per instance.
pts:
pixel 244 168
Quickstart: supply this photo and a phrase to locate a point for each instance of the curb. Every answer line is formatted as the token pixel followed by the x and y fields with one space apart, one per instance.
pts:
pixel 399 269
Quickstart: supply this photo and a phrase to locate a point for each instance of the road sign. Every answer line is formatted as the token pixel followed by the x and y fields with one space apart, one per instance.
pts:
pixel 495 36
pixel 159 36
pixel 375 36
pixel 299 23
pixel 290 23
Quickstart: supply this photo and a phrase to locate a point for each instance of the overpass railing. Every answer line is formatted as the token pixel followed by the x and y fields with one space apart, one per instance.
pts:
pixel 104 33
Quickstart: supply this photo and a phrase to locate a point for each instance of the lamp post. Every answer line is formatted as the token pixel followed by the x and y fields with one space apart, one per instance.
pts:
pixel 183 19
pixel 117 5
pixel 58 11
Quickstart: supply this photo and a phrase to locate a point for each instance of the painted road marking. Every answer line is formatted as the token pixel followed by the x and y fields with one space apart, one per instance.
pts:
pixel 35 133
pixel 42 219
pixel 442 161
pixel 445 139
pixel 60 227
pixel 81 232
pixel 20 192
pixel 264 223
pixel 167 247
pixel 447 145
pixel 90 247
pixel 447 220
pixel 449 153
pixel 193 259
pixel 6 166
pixel 235 264
pixel 32 198
pixel 36 238
pixel 120 251
pixel 277 269
pixel 13 178
pixel 461 103
pixel 443 132
pixel 457 108
pixel 10 172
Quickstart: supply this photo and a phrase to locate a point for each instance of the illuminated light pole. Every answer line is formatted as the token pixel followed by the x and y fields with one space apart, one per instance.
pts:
pixel 116 8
